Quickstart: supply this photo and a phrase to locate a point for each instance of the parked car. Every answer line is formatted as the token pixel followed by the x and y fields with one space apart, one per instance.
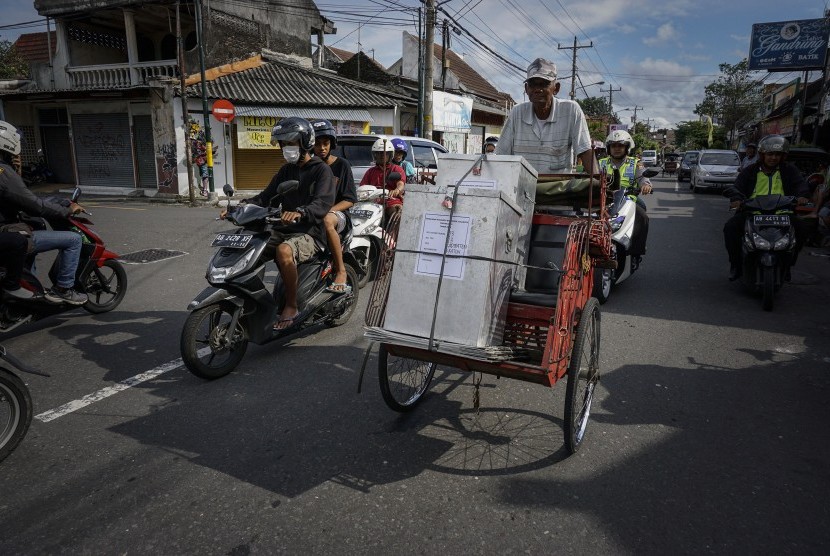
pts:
pixel 715 169
pixel 650 158
pixel 685 170
pixel 357 149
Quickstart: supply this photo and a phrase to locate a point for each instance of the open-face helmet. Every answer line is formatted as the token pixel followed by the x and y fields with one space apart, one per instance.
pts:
pixel 324 128
pixel 620 136
pixel 9 138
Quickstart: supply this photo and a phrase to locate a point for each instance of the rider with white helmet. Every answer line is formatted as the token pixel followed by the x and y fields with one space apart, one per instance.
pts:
pixel 378 175
pixel 15 197
pixel 627 171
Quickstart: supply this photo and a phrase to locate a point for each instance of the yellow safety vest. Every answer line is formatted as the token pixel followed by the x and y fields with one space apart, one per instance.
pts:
pixel 768 184
pixel 628 169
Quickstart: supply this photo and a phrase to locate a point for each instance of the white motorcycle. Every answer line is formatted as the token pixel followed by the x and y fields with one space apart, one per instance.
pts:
pixel 367 238
pixel 622 214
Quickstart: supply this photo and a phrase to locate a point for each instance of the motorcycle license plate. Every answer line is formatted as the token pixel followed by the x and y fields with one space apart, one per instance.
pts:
pixel 772 220
pixel 361 213
pixel 236 241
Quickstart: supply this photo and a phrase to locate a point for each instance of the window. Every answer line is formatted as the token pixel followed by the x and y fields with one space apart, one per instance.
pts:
pixel 423 156
pixel 720 159
pixel 358 154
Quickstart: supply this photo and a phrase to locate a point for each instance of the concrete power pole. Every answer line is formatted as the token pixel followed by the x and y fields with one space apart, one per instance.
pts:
pixel 610 92
pixel 573 67
pixel 429 58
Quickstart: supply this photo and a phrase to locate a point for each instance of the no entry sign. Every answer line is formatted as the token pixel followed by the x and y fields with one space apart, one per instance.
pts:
pixel 223 111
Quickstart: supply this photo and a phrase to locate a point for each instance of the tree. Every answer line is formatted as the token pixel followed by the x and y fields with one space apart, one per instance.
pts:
pixel 695 136
pixel 12 65
pixel 733 99
pixel 594 107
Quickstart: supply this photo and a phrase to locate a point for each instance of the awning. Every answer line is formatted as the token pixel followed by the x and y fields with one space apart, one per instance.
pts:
pixel 339 114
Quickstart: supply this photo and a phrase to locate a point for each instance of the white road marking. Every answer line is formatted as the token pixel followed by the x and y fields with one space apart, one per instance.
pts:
pixel 104 393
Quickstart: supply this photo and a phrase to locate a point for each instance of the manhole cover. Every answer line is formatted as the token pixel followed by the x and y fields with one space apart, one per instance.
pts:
pixel 149 256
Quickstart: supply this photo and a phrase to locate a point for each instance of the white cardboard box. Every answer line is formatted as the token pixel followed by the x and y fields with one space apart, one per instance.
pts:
pixel 475 290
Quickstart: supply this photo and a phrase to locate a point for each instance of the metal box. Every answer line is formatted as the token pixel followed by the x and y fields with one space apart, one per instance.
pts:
pixel 512 175
pixel 475 289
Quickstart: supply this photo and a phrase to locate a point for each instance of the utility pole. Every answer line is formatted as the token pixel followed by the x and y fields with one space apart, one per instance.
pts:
pixel 200 37
pixel 445 44
pixel 610 92
pixel 188 156
pixel 634 120
pixel 573 67
pixel 429 58
pixel 419 125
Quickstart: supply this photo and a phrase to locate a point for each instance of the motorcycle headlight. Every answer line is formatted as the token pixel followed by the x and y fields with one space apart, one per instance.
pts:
pixel 783 244
pixel 218 274
pixel 760 242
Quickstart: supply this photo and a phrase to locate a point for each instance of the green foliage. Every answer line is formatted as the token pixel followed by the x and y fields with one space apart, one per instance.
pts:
pixel 734 98
pixel 695 136
pixel 597 129
pixel 12 66
pixel 594 107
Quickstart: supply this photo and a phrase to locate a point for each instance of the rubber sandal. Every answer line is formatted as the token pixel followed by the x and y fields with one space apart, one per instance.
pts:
pixel 339 287
pixel 278 328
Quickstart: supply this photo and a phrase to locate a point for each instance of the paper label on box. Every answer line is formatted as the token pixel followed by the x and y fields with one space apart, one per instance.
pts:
pixel 433 238
pixel 480 184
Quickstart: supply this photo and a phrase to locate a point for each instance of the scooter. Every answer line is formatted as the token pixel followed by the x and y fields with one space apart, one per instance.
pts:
pixel 15 403
pixel 369 236
pixel 622 215
pixel 100 275
pixel 768 245
pixel 237 307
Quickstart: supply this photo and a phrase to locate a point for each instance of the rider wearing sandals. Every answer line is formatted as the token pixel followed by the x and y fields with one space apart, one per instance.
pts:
pixel 303 209
pixel 346 196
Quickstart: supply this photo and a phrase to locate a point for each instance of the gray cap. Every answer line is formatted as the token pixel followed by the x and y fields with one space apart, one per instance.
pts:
pixel 541 69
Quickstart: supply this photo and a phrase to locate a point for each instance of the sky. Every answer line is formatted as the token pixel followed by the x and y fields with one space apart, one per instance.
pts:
pixel 657 56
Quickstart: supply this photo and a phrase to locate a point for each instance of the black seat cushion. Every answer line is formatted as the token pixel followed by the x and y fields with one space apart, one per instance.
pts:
pixel 547 251
pixel 531 298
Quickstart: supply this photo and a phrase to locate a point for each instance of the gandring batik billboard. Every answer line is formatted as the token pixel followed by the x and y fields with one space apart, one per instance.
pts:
pixel 788 45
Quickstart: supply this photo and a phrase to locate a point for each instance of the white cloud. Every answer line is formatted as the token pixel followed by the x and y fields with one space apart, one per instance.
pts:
pixel 665 33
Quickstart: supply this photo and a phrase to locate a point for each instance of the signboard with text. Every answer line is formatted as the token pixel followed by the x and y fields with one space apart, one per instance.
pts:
pixel 788 45
pixel 451 112
pixel 254 132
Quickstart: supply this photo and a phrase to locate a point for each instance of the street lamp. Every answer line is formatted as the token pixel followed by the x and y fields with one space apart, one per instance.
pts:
pixel 589 85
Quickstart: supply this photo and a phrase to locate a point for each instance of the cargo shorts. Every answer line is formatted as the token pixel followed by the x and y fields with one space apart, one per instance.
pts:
pixel 303 246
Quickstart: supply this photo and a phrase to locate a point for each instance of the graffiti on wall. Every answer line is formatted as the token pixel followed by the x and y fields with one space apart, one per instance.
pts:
pixel 166 166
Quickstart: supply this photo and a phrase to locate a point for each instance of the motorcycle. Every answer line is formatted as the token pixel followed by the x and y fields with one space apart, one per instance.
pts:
pixel 237 307
pixel 100 275
pixel 15 403
pixel 622 215
pixel 768 244
pixel 38 172
pixel 369 236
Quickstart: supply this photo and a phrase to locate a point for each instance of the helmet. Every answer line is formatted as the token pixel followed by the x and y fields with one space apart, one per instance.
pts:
pixel 9 138
pixel 400 145
pixel 383 144
pixel 492 140
pixel 620 136
pixel 774 144
pixel 324 128
pixel 753 145
pixel 294 129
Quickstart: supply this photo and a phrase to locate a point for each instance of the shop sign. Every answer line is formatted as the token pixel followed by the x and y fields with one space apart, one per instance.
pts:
pixel 788 45
pixel 254 132
pixel 451 112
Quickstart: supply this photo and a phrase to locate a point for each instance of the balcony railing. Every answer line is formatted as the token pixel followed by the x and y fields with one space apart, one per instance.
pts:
pixel 108 76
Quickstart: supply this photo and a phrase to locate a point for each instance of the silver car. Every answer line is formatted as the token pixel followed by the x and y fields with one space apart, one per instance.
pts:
pixel 715 169
pixel 357 149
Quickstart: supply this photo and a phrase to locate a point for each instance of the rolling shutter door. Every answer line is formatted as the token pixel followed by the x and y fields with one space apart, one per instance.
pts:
pixel 254 168
pixel 144 155
pixel 103 149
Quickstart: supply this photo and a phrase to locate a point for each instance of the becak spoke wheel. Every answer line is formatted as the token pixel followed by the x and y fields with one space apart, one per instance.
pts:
pixel 583 375
pixel 403 381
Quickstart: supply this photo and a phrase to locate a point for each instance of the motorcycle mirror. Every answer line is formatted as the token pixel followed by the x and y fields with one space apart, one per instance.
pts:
pixel 650 173
pixel 227 190
pixel 287 186
pixel 76 194
pixel 394 176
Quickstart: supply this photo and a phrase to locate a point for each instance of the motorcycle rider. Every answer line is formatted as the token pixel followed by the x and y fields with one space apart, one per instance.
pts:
pixel 377 175
pixel 325 139
pixel 628 171
pixel 15 197
pixel 490 144
pixel 303 209
pixel 400 159
pixel 771 175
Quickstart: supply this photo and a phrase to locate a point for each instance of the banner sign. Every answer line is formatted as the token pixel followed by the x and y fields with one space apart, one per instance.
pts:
pixel 788 45
pixel 451 112
pixel 615 127
pixel 254 132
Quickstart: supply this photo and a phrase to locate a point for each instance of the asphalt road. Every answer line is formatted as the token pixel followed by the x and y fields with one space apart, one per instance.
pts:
pixel 708 433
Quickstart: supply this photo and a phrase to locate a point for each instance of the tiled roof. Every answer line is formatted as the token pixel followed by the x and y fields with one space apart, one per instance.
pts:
pixel 33 47
pixel 279 83
pixel 344 55
pixel 469 77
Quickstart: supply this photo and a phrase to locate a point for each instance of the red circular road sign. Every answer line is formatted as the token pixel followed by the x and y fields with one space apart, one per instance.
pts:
pixel 223 111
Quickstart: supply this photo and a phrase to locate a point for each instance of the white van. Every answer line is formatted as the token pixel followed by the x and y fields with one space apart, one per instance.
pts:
pixel 649 158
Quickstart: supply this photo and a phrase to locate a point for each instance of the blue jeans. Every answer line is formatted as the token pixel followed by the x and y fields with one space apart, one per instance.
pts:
pixel 69 244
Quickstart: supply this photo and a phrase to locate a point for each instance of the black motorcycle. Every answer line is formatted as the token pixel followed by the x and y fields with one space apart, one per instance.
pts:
pixel 15 403
pixel 768 243
pixel 238 308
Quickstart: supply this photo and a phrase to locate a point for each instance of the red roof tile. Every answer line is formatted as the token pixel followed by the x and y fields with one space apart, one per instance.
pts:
pixel 33 47
pixel 344 55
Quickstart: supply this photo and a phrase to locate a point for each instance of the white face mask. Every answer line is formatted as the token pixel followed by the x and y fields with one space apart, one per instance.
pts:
pixel 291 154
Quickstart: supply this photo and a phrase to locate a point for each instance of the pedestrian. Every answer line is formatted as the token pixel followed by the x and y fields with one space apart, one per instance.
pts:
pixel 550 133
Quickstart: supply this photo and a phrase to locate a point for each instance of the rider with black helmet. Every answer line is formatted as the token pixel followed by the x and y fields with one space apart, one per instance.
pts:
pixel 345 197
pixel 303 209
pixel 771 175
